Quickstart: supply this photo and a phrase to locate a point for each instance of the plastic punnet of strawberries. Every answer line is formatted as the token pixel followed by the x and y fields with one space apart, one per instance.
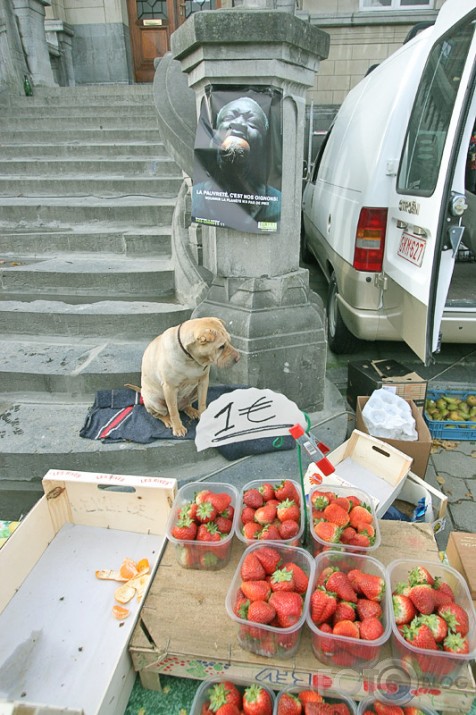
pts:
pixel 271 512
pixel 339 519
pixel 229 698
pixel 347 605
pixel 427 617
pixel 207 519
pixel 271 594
pixel 380 708
pixel 309 702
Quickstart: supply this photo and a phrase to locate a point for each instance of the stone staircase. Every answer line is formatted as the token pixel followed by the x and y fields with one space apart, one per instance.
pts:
pixel 87 195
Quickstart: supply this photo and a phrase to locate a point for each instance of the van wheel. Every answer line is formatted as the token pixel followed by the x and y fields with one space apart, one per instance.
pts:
pixel 339 338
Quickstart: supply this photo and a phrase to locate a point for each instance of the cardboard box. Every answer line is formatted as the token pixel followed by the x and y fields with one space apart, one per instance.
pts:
pixel 29 709
pixel 365 376
pixel 184 631
pixel 368 463
pixel 419 450
pixel 59 642
pixel 415 489
pixel 461 553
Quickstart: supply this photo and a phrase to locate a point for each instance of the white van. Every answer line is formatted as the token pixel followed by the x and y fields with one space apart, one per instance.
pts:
pixel 389 211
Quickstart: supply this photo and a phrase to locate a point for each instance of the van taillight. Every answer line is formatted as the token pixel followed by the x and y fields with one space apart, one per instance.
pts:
pixel 370 240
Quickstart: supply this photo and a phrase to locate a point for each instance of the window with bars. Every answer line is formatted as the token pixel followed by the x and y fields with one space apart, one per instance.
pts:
pixel 396 4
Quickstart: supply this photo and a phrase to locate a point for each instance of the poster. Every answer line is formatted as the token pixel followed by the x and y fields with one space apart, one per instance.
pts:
pixel 238 159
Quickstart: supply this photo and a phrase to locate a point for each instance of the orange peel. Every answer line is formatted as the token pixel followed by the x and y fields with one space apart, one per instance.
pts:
pixel 120 612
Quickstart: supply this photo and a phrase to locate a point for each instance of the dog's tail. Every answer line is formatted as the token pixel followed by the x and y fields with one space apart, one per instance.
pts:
pixel 133 387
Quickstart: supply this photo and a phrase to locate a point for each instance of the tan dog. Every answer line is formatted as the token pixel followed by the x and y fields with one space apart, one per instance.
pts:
pixel 176 369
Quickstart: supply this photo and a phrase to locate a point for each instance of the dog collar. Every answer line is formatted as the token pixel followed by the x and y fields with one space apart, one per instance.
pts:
pixel 185 350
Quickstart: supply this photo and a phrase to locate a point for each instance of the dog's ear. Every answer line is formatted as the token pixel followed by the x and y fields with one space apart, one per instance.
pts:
pixel 208 336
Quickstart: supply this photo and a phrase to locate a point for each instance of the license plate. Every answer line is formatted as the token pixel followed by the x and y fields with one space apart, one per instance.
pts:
pixel 412 248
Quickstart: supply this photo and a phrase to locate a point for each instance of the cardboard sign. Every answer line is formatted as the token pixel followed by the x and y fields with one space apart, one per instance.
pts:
pixel 246 414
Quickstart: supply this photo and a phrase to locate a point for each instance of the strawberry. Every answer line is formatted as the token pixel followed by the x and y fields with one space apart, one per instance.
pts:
pixel 270 532
pixel 253 498
pixel 256 590
pixel 456 618
pixel 223 693
pixel 340 709
pixel 421 596
pixel 324 575
pixel 301 579
pixel 364 528
pixel 208 560
pixel 403 609
pixel 420 636
pixel 270 558
pixel 310 696
pixel 371 629
pixel 328 532
pixel 420 575
pixel 247 514
pixel 387 708
pixel 336 514
pixel 345 503
pixel 190 510
pixel 265 514
pixel 228 709
pixel 322 606
pixel 289 529
pixel 442 593
pixel 288 509
pixel 372 586
pixel 350 629
pixel 251 530
pixel 282 580
pixel 185 529
pixel 368 609
pixel 267 491
pixel 289 607
pixel 229 512
pixel 287 490
pixel 206 709
pixel 289 704
pixel 339 583
pixel 402 588
pixel 201 496
pixel 411 710
pixel 361 539
pixel 224 525
pixel 261 612
pixel 206 512
pixel 345 611
pixel 241 605
pixel 436 624
pixel 257 701
pixel 347 534
pixel 208 532
pixel 252 568
pixel 354 501
pixel 186 557
pixel 360 514
pixel 320 500
pixel 456 643
pixel 220 501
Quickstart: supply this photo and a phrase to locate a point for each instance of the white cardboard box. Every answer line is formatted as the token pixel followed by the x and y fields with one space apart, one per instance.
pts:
pixel 60 645
pixel 369 464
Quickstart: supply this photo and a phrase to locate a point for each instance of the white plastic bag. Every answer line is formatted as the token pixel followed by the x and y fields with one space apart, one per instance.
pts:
pixel 389 416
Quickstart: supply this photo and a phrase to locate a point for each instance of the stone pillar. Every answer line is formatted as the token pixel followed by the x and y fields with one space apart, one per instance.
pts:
pixel 259 289
pixel 31 24
pixel 60 35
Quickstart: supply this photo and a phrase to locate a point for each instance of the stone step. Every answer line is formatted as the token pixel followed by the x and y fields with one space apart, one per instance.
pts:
pixel 51 113
pixel 130 242
pixel 87 94
pixel 75 121
pixel 122 166
pixel 118 320
pixel 94 186
pixel 79 135
pixel 77 151
pixel 67 212
pixel 89 279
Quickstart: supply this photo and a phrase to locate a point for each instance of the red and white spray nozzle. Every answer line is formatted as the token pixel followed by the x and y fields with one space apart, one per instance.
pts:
pixel 315 450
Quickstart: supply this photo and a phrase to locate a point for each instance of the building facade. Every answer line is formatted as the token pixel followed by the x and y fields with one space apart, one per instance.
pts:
pixel 68 42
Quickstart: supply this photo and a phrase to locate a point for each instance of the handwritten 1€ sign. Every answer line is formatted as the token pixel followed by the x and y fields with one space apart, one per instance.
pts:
pixel 246 414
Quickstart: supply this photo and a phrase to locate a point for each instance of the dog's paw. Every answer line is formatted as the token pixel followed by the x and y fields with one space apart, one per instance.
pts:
pixel 180 431
pixel 192 412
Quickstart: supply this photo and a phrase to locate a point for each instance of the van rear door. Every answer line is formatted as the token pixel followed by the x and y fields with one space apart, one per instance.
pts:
pixel 424 221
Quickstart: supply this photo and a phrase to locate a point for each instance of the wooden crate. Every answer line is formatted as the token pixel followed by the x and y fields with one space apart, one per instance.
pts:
pixel 60 646
pixel 184 631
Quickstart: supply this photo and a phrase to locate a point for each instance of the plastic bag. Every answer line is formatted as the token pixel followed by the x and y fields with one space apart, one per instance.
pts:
pixel 388 415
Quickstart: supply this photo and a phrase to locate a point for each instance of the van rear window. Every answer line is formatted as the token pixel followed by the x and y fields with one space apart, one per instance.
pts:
pixel 432 112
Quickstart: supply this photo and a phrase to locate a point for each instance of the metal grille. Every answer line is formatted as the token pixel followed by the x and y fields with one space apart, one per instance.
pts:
pixel 191 6
pixel 151 9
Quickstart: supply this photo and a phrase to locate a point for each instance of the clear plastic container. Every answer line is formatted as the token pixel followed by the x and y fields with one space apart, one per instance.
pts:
pixel 267 640
pixel 319 545
pixel 336 650
pixel 202 555
pixel 430 665
pixel 329 696
pixel 255 484
pixel 367 704
pixel 201 696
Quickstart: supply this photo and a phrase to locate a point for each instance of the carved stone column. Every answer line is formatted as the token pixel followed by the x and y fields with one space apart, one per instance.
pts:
pixel 31 24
